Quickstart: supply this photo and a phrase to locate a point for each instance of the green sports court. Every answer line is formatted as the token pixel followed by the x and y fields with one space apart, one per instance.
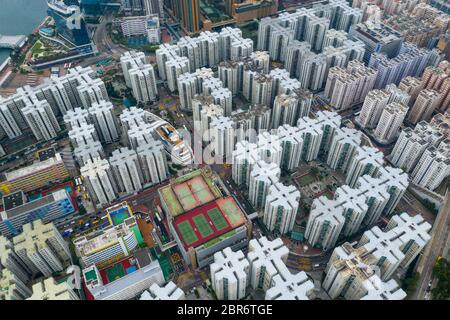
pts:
pixel 208 221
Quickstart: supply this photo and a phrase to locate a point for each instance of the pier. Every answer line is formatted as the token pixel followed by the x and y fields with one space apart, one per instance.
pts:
pixel 12 42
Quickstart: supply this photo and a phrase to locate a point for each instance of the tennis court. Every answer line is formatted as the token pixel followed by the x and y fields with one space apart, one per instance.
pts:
pixel 201 190
pixel 232 212
pixel 202 225
pixel 209 221
pixel 185 196
pixel 217 218
pixel 187 232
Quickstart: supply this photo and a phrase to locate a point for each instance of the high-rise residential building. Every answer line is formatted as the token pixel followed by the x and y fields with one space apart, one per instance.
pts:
pixel 390 122
pixel 417 232
pixel 346 277
pixel 99 180
pixel 281 208
pixel 377 197
pixel 155 7
pixel 173 69
pixel 438 79
pixel 315 30
pixel 9 260
pixel 224 98
pixel 312 133
pixel 374 104
pixel 204 111
pixel 269 147
pixel 188 11
pixel 292 145
pixel 325 223
pixel 164 53
pixel 288 286
pixel 334 38
pixel 262 176
pixel 412 143
pixel 13 288
pixel 296 52
pixel 366 160
pixel 397 182
pixel 222 131
pixel 42 248
pixel 312 71
pixel 328 121
pixel 169 292
pixel 90 151
pixel 126 169
pixel 49 289
pixel 139 76
pixel 285 110
pixel 412 86
pixel 230 274
pixel 41 119
pixel 105 121
pixel 76 118
pixel 267 258
pixel 190 48
pixel 344 145
pixel 232 46
pixel 397 95
pixel 83 135
pixel 261 59
pixel 423 108
pixel 346 87
pixel 92 91
pixel 433 166
pixel 410 62
pixel 209 49
pixel 245 156
pixel 153 162
pixel 355 208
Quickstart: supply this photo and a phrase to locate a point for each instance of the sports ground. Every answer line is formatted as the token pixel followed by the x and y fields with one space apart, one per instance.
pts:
pixel 189 192
pixel 208 221
pixel 117 271
pixel 117 214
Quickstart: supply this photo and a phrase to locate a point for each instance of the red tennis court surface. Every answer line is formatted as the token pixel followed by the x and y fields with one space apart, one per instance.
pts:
pixel 222 215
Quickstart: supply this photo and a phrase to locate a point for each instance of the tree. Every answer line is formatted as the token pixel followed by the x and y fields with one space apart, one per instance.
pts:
pixel 410 283
pixel 314 171
pixel 81 210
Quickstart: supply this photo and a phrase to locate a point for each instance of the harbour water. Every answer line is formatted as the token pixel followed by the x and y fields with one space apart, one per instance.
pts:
pixel 20 17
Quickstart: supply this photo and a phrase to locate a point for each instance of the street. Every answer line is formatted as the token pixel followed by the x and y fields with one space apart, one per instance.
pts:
pixel 436 247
